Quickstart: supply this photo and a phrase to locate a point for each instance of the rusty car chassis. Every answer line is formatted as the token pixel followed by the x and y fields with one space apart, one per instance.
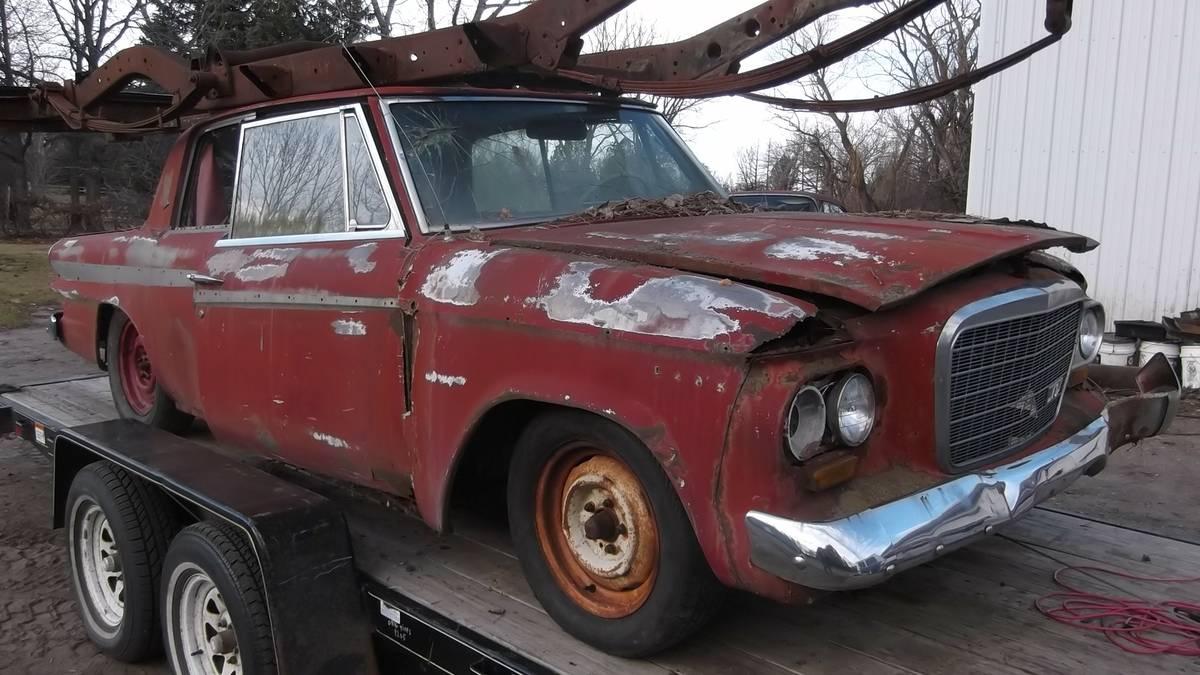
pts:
pixel 431 265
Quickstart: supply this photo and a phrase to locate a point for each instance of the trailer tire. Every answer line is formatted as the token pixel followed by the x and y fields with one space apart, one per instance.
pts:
pixel 136 391
pixel 213 606
pixel 631 584
pixel 118 528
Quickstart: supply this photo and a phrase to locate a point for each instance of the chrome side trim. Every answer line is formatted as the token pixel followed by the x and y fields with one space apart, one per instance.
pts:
pixel 297 300
pixel 866 548
pixel 1007 306
pixel 121 274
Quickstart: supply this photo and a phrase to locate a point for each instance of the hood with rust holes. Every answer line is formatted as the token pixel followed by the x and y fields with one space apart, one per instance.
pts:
pixel 871 262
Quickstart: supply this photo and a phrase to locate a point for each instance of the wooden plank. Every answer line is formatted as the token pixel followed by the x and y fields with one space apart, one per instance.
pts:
pixel 69 403
pixel 1107 543
pixel 824 638
pixel 403 555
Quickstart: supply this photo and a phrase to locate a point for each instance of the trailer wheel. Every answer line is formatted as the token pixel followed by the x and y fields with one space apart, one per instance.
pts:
pixel 215 619
pixel 118 528
pixel 135 388
pixel 604 541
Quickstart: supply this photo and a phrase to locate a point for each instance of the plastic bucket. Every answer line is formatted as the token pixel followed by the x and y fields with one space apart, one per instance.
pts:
pixel 1189 356
pixel 1117 350
pixel 1168 349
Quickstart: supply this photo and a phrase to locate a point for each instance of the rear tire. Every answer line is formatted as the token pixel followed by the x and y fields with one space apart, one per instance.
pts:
pixel 214 611
pixel 118 528
pixel 135 389
pixel 603 539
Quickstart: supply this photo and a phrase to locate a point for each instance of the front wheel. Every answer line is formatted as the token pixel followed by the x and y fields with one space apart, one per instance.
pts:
pixel 604 541
pixel 135 387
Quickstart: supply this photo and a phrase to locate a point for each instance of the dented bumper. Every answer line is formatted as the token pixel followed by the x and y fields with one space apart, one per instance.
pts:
pixel 866 548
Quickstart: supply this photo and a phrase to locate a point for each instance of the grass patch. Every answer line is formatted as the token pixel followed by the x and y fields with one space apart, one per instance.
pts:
pixel 24 282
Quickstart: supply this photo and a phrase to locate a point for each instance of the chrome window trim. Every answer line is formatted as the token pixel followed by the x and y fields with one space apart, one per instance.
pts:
pixel 410 184
pixel 1014 304
pixel 395 225
pixel 184 188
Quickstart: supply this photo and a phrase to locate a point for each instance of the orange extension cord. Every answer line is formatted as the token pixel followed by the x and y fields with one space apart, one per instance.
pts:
pixel 1136 626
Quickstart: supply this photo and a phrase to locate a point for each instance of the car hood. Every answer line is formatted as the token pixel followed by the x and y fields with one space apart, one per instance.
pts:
pixel 871 262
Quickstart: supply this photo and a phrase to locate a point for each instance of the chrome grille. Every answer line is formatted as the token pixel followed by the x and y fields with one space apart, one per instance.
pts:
pixel 1006 380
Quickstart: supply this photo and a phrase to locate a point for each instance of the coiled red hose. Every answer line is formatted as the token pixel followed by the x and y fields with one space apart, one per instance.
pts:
pixel 1135 625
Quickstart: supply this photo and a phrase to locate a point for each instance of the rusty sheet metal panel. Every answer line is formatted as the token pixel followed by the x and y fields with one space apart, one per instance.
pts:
pixel 868 261
pixel 657 351
pixel 898 349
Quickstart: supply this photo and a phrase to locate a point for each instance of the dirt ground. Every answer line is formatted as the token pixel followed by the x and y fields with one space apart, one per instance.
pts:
pixel 1151 487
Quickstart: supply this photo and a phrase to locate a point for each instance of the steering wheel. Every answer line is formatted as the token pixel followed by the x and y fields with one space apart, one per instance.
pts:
pixel 598 194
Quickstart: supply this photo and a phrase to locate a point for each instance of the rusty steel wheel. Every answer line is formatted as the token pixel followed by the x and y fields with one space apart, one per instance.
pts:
pixel 605 542
pixel 597 530
pixel 136 388
pixel 137 377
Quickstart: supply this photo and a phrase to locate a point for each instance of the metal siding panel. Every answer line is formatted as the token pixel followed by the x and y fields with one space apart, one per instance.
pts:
pixel 1179 275
pixel 1099 136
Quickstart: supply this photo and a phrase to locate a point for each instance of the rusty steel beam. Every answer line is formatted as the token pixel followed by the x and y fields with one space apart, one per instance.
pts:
pixel 541 41
pixel 718 50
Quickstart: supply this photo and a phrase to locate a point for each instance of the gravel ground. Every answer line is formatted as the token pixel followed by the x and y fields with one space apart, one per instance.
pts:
pixel 40 629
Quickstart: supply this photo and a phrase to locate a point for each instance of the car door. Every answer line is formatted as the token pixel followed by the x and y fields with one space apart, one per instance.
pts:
pixel 302 345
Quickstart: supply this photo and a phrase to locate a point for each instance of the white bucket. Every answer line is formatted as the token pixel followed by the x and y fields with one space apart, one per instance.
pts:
pixel 1168 349
pixel 1190 364
pixel 1117 351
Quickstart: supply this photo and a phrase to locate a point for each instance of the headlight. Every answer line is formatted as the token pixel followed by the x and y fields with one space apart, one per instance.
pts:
pixel 852 409
pixel 1091 332
pixel 806 423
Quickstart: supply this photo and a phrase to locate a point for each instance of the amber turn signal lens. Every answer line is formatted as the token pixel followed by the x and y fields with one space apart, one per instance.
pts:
pixel 828 470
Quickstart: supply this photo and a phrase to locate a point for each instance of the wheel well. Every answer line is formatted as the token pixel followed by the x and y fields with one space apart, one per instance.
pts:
pixel 103 320
pixel 480 479
pixel 69 458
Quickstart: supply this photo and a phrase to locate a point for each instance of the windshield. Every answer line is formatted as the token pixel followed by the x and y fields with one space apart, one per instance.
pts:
pixel 486 163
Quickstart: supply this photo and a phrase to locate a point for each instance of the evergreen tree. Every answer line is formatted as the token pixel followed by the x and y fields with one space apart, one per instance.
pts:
pixel 187 26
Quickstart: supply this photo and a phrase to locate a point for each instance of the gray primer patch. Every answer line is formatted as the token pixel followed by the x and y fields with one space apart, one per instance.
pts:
pixel 359 258
pixel 863 234
pixel 448 380
pixel 349 327
pixel 683 306
pixel 674 237
pixel 330 440
pixel 147 252
pixel 811 248
pixel 454 282
pixel 261 272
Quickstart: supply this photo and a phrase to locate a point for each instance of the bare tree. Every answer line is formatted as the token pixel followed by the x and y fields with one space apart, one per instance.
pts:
pixel 623 32
pixel 89 30
pixel 24 30
pixel 382 12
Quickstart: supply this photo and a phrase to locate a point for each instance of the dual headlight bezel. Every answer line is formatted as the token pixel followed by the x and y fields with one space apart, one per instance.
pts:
pixel 836 411
pixel 1091 331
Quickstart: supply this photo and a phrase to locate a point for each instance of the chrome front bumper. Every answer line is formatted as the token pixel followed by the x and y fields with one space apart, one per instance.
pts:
pixel 866 548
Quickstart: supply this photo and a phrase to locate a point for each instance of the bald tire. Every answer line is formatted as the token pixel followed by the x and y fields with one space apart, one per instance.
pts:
pixel 685 594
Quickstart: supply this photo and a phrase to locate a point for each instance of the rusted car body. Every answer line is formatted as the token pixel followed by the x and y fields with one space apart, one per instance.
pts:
pixel 402 355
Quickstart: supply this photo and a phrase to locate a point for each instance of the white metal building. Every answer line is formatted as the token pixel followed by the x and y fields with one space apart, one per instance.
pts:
pixel 1100 135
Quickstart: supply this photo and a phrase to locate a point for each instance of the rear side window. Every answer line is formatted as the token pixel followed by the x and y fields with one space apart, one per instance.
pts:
pixel 790 203
pixel 209 195
pixel 290 180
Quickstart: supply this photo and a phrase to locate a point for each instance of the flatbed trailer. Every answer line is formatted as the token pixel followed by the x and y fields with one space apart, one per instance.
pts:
pixel 380 590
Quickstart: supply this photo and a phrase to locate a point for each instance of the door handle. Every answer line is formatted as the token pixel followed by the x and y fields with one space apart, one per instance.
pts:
pixel 204 279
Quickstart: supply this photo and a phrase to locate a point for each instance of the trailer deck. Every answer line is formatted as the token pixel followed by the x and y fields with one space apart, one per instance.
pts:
pixel 971 611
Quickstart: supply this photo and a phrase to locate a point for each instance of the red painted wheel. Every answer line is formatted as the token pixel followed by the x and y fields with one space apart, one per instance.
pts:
pixel 137 376
pixel 136 389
